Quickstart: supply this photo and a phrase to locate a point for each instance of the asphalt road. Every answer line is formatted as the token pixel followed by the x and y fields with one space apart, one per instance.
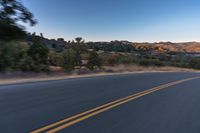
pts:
pixel 173 107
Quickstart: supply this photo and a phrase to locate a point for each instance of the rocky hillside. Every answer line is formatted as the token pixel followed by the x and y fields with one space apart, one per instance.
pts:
pixel 168 46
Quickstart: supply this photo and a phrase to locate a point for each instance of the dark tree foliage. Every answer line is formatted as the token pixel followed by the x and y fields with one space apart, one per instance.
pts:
pixel 79 40
pixel 194 63
pixel 79 47
pixel 113 46
pixel 69 60
pixel 11 12
pixel 38 57
pixel 93 61
pixel 11 32
pixel 12 56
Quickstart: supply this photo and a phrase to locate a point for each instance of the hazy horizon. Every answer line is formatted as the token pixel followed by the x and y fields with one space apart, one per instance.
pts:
pixel 106 20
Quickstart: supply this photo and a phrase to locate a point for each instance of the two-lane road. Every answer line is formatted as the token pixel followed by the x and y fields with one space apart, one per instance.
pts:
pixel 140 103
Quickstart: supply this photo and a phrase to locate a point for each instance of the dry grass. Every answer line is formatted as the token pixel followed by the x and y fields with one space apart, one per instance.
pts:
pixel 107 70
pixel 135 68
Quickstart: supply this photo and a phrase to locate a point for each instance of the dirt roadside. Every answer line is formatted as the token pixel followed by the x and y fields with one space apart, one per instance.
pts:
pixel 117 70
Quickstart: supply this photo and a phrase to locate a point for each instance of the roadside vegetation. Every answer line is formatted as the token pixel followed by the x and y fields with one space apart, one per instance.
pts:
pixel 36 57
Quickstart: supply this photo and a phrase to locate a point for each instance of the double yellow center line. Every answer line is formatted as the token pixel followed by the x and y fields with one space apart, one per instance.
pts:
pixel 60 125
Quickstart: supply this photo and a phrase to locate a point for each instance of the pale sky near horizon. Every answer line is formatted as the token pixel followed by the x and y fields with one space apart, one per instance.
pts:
pixel 106 20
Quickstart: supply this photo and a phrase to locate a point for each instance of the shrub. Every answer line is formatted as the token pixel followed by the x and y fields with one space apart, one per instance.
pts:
pixel 69 59
pixel 194 63
pixel 93 61
pixel 12 55
pixel 150 62
pixel 38 57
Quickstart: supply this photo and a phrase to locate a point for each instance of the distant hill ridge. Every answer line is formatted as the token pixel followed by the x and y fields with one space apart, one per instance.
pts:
pixel 191 47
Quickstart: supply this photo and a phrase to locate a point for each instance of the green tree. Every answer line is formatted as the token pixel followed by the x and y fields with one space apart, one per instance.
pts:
pixel 6 56
pixel 79 40
pixel 93 61
pixel 12 55
pixel 79 47
pixel 55 59
pixel 69 60
pixel 38 54
pixel 111 59
pixel 11 12
pixel 194 63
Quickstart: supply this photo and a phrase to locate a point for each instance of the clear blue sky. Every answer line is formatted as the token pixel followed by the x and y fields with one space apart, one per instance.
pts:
pixel 105 20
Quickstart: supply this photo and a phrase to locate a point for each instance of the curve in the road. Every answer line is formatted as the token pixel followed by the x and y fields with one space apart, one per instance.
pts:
pixel 60 125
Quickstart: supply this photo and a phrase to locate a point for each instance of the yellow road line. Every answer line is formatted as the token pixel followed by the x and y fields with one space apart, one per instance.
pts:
pixel 81 114
pixel 103 108
pixel 94 113
pixel 86 112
